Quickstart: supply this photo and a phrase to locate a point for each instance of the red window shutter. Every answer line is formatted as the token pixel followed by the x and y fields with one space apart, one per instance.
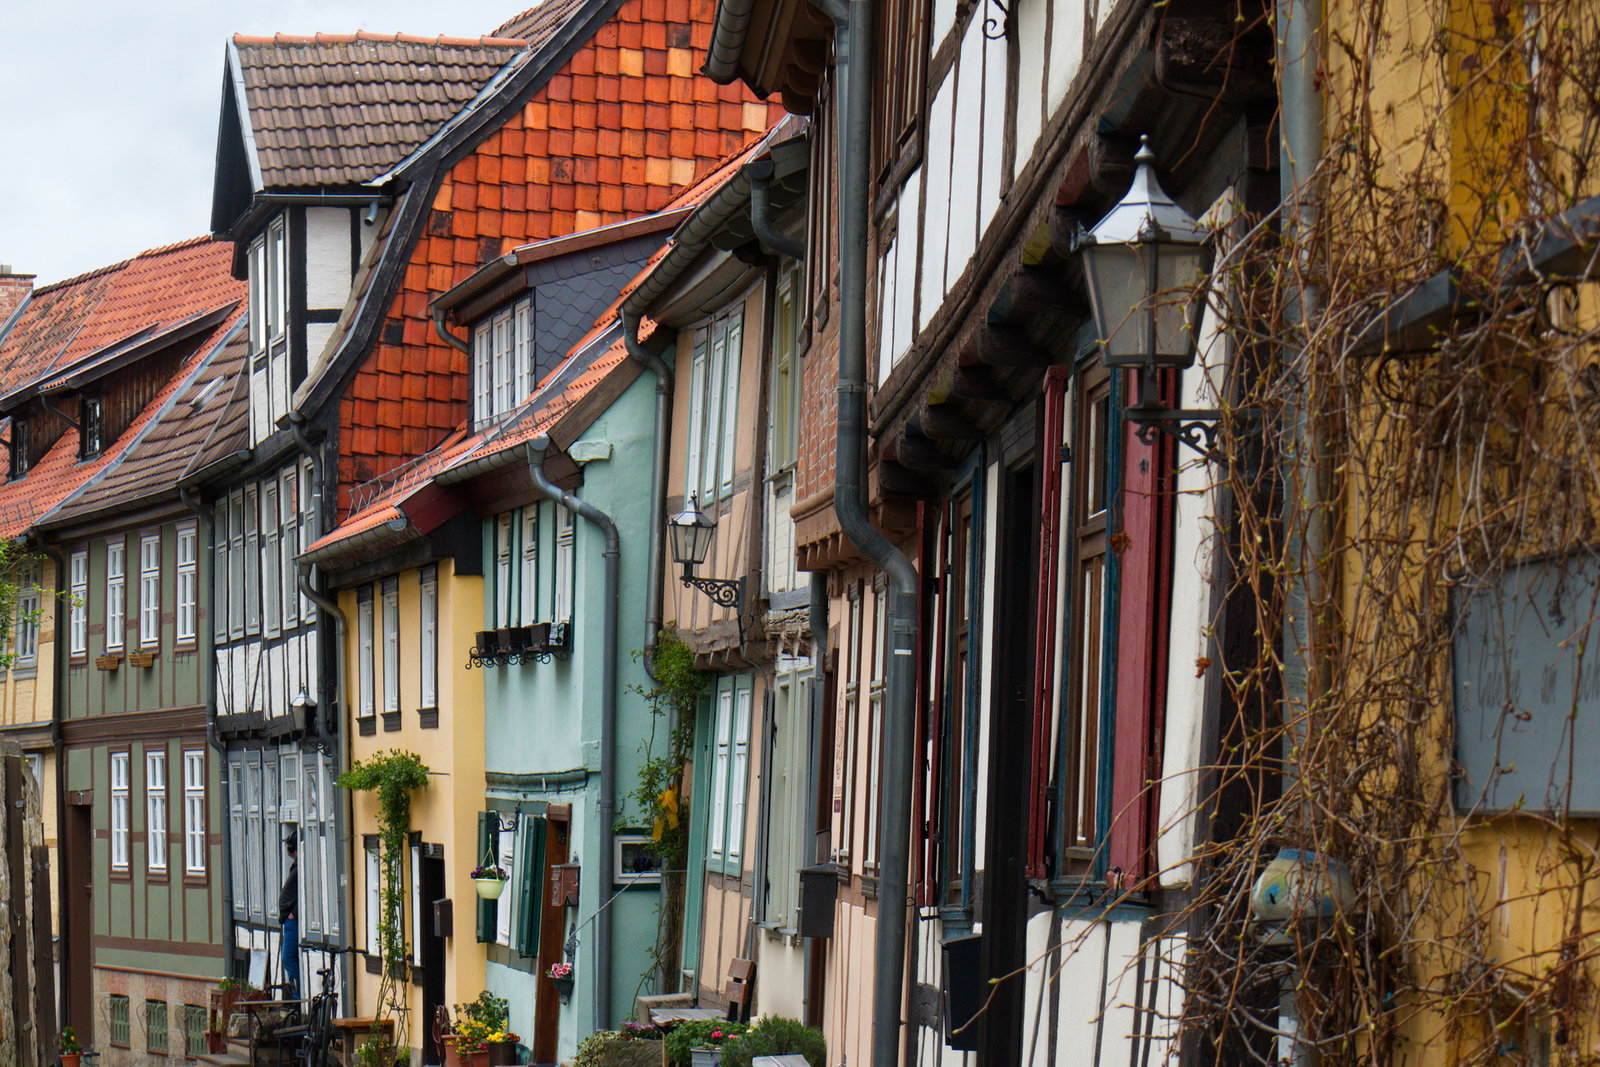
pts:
pixel 1044 693
pixel 1145 587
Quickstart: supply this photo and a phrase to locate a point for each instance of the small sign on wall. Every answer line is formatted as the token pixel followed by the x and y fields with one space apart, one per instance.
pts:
pixel 637 862
pixel 1526 664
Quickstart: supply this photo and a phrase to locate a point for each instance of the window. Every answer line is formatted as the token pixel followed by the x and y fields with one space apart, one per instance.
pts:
pixel 271 563
pixel 155 811
pixel 116 611
pixel 149 590
pixel 391 646
pixel 91 427
pixel 188 593
pixel 21 447
pixel 502 362
pixel 875 683
pixel 564 566
pixel 503 530
pixel 714 407
pixel 900 61
pixel 848 732
pixel 28 618
pixel 289 523
pixel 428 654
pixel 791 818
pixel 308 528
pixel 194 812
pixel 155 1026
pixel 366 680
pixel 119 811
pixel 236 835
pixel 787 375
pixel 530 565
pixel 252 562
pixel 78 609
pixel 511 862
pixel 220 570
pixel 730 759
pixel 268 323
pixel 194 1030
pixel 117 1010
pixel 374 898
pixel 236 568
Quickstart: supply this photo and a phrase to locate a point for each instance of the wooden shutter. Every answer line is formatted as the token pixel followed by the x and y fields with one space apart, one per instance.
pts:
pixel 1144 598
pixel 1051 460
pixel 488 823
pixel 530 887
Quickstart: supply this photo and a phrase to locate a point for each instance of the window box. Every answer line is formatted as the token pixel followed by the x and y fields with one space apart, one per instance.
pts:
pixel 109 662
pixel 141 659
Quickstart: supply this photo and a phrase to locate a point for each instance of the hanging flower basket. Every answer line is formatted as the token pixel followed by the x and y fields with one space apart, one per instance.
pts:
pixel 560 975
pixel 490 880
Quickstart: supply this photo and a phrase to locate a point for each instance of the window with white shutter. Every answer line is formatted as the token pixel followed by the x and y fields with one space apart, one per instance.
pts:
pixel 188 585
pixel 78 609
pixel 366 699
pixel 391 645
pixel 119 811
pixel 194 812
pixel 116 594
pixel 155 811
pixel 150 590
pixel 428 654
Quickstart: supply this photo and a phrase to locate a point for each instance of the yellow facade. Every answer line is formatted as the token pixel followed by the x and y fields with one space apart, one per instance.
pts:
pixel 27 705
pixel 444 813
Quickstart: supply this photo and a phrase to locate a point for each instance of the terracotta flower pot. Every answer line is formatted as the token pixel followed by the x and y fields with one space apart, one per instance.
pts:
pixel 476 1059
pixel 452 1057
pixel 71 1059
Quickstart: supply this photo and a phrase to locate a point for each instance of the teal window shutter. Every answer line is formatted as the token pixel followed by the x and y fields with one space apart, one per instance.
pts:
pixel 530 893
pixel 487 915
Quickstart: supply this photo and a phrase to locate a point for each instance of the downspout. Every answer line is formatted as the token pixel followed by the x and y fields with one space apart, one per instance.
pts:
pixel 203 517
pixel 610 597
pixel 658 490
pixel 1299 30
pixel 853 73
pixel 326 706
pixel 760 175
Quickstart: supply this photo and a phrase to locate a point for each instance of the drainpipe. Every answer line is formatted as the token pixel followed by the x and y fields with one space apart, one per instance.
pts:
pixel 1299 28
pixel 608 711
pixel 853 71
pixel 203 518
pixel 325 705
pixel 445 335
pixel 759 174
pixel 658 489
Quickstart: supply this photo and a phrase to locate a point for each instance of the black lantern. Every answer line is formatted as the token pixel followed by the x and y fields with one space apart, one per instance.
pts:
pixel 690 532
pixel 1143 263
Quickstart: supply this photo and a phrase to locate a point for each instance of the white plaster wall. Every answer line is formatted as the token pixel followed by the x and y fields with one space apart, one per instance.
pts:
pixel 1032 24
pixel 1083 947
pixel 782 988
pixel 964 169
pixel 905 270
pixel 327 257
pixel 888 288
pixel 317 334
pixel 1036 990
pixel 936 225
pixel 260 421
pixel 1066 50
pixel 944 20
pixel 995 175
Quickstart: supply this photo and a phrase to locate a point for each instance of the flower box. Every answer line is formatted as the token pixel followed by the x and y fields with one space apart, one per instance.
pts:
pixel 108 663
pixel 141 659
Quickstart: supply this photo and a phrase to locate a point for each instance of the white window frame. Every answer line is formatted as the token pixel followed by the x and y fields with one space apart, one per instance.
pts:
pixel 566 534
pixel 730 771
pixel 155 812
pixel 150 590
pixel 391 645
pixel 714 406
pixel 504 529
pixel 252 560
pixel 116 594
pixel 271 560
pixel 529 577
pixel 194 812
pixel 428 654
pixel 502 362
pixel 236 568
pixel 187 617
pixel 78 609
pixel 366 680
pixel 374 901
pixel 506 842
pixel 289 519
pixel 28 618
pixel 119 811
pixel 308 528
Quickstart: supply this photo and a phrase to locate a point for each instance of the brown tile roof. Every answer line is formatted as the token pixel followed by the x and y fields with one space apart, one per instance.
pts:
pixel 537 23
pixel 619 132
pixel 199 419
pixel 342 109
pixel 69 323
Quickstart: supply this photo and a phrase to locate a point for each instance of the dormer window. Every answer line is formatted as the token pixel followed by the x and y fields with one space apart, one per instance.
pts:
pixel 502 362
pixel 21 453
pixel 91 427
pixel 269 337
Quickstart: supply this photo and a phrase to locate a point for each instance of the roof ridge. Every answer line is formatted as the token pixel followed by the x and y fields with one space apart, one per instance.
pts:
pixel 78 279
pixel 367 35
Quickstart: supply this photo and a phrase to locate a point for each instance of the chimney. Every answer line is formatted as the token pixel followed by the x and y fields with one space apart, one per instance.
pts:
pixel 14 289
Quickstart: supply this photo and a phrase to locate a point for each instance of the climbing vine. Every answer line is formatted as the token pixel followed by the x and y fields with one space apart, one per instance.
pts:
pixel 392 775
pixel 657 798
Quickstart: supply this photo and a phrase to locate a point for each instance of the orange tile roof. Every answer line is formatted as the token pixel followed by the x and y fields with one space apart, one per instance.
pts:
pixel 68 323
pixel 622 130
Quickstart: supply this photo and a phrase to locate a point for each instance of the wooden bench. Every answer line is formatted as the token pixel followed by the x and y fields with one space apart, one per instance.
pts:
pixel 352 1032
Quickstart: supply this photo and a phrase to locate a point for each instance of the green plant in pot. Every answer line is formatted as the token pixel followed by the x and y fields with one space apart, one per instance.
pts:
pixel 483 1031
pixel 699 1042
pixel 776 1035
pixel 68 1045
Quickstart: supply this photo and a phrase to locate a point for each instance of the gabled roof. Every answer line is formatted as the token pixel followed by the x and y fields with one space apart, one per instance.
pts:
pixel 337 110
pixel 73 324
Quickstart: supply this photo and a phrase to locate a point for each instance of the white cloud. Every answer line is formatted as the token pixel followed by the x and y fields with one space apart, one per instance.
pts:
pixel 108 130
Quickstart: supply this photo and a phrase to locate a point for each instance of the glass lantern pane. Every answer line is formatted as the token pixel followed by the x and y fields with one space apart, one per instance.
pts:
pixel 1117 277
pixel 1177 274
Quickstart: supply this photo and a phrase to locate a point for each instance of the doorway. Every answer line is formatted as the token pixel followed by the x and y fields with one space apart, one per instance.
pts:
pixel 552 936
pixel 77 899
pixel 430 888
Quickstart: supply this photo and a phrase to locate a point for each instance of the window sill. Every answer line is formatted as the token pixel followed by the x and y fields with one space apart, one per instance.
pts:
pixel 25 670
pixel 428 718
pixel 367 725
pixel 196 881
pixel 391 721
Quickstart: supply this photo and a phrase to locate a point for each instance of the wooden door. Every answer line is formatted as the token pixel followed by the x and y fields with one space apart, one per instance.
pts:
pixel 77 917
pixel 552 935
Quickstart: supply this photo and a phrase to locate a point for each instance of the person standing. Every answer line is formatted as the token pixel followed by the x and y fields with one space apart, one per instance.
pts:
pixel 289 920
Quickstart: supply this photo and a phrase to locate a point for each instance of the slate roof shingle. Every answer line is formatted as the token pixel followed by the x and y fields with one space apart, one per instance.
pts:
pixel 333 110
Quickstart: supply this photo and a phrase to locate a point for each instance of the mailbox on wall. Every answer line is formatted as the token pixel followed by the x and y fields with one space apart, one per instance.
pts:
pixel 819 888
pixel 563 885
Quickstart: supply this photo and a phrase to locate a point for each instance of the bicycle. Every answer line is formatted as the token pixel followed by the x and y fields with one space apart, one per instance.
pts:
pixel 316 1033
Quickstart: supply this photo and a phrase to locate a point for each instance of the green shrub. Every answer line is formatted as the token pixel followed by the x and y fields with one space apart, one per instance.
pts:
pixel 776 1036
pixel 699 1033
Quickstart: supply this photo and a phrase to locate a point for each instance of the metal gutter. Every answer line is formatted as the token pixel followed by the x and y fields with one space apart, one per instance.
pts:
pixel 772 239
pixel 610 603
pixel 729 29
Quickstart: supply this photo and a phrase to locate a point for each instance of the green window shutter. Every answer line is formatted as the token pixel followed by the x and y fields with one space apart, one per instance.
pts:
pixel 486 908
pixel 530 893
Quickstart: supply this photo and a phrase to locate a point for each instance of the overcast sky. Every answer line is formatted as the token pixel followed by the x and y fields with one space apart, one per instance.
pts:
pixel 108 118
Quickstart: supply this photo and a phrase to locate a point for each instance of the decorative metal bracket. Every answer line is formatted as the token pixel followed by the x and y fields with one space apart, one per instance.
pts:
pixel 1004 22
pixel 1194 427
pixel 725 592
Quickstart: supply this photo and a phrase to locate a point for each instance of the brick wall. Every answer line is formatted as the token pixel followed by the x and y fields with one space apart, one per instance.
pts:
pixel 14 289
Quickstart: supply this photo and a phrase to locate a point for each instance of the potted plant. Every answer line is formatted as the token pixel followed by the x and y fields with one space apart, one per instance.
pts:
pixel 490 880
pixel 698 1042
pixel 482 1034
pixel 71 1051
pixel 560 975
